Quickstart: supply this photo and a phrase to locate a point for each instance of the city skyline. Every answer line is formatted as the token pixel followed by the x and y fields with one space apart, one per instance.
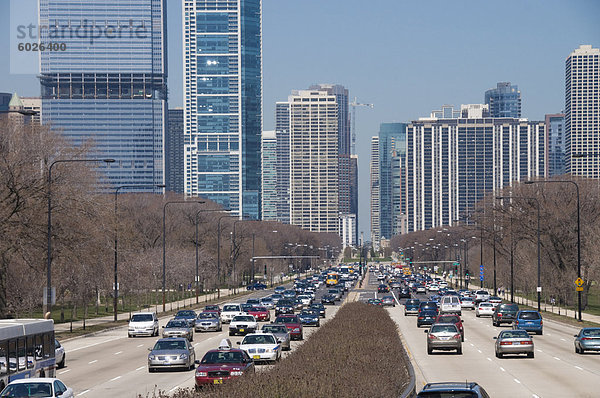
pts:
pixel 529 55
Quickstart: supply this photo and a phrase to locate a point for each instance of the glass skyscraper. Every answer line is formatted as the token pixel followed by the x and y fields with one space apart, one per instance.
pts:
pixel 555 128
pixel 108 88
pixel 223 102
pixel 174 151
pixel 504 100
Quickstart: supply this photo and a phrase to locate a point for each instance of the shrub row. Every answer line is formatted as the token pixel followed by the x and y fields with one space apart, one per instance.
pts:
pixel 357 353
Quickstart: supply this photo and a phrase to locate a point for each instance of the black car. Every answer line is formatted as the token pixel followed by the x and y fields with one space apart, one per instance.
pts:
pixel 458 389
pixel 426 317
pixel 256 286
pixel 504 313
pixel 404 292
pixel 309 317
pixel 428 305
pixel 328 299
pixel 383 288
pixel 320 307
pixel 284 306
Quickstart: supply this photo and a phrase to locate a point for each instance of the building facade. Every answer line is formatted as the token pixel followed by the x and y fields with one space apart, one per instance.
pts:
pixel 555 132
pixel 374 185
pixel 223 102
pixel 582 112
pixel 453 163
pixel 354 189
pixel 108 88
pixel 270 199
pixel 348 230
pixel 174 158
pixel 504 100
pixel 314 202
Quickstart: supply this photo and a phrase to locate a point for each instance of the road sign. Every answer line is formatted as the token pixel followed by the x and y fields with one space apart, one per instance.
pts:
pixel 579 282
pixel 579 288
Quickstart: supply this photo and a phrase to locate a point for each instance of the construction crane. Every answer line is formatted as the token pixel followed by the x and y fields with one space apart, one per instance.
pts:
pixel 354 104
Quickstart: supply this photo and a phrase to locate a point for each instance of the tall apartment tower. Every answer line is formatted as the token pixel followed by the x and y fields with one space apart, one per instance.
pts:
pixel 282 133
pixel 504 100
pixel 375 185
pixel 582 112
pixel 314 202
pixel 108 87
pixel 354 190
pixel 174 159
pixel 223 102
pixel 555 132
pixel 453 163
pixel 269 176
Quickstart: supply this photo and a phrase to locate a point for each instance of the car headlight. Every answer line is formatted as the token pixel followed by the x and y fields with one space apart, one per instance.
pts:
pixel 201 374
pixel 151 357
pixel 237 373
pixel 183 356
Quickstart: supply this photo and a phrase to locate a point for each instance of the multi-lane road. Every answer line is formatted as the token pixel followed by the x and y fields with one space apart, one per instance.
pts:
pixel 109 364
pixel 556 370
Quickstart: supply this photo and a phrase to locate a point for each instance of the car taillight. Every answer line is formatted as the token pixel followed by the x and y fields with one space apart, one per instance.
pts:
pixel 432 337
pixel 421 317
pixel 499 314
pixel 456 336
pixel 506 343
pixel 526 342
pixel 541 322
pixel 586 338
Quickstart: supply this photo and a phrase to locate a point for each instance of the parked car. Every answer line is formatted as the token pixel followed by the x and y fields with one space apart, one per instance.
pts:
pixel 242 324
pixel 171 352
pixel 179 328
pixel 458 389
pixel 467 302
pixel 530 321
pixel 443 336
pixel 388 301
pixel 454 319
pixel 187 315
pixel 504 313
pixel 514 342
pixel 281 333
pixel 208 321
pixel 426 317
pixel 222 364
pixel 261 346
pixel 588 339
pixel 411 307
pixel 59 354
pixel 42 387
pixel 484 309
pixel 230 311
pixel 293 324
pixel 143 324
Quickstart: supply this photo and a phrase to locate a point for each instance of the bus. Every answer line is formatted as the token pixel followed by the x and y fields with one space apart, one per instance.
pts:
pixel 26 349
pixel 332 279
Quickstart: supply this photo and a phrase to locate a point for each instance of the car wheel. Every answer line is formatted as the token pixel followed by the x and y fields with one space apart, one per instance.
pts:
pixel 462 338
pixel 581 351
pixel 494 323
pixel 530 355
pixel 577 350
pixel 192 337
pixel 540 332
pixel 498 355
pixel 231 333
pixel 61 364
pixel 459 350
pixel 477 315
pixel 429 351
pixel 150 370
pixel 404 313
pixel 129 335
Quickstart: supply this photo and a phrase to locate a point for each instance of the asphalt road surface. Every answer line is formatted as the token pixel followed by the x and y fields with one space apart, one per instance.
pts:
pixel 109 364
pixel 556 370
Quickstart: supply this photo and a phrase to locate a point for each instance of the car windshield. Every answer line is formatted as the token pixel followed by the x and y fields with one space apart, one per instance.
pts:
pixel 141 318
pixel 514 334
pixel 481 292
pixel 177 324
pixel 211 308
pixel 591 332
pixel 252 301
pixel 243 318
pixel 509 307
pixel 186 314
pixel 428 313
pixel 259 339
pixel 286 319
pixel 259 309
pixel 231 308
pixel 223 357
pixel 443 328
pixel 529 315
pixel 284 302
pixel 33 389
pixel 486 305
pixel 168 344
pixel 274 329
pixel 207 315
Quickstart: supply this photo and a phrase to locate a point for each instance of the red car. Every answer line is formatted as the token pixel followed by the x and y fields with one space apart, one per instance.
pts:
pixel 260 313
pixel 455 319
pixel 212 308
pixel 222 364
pixel 293 324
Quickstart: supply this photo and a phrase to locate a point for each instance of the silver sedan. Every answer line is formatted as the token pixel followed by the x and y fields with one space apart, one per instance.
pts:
pixel 280 332
pixel 172 352
pixel 514 342
pixel 208 321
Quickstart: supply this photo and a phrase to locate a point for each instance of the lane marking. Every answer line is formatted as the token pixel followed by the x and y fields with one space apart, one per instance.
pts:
pixel 558 359
pixel 563 340
pixel 502 369
pixel 549 334
pixel 540 350
pixel 64 371
pixel 115 378
pixel 489 359
pixel 141 345
pixel 479 351
pixel 91 345
pixel 579 368
pixel 472 345
pixel 517 381
pixel 91 362
pixel 83 392
pixel 141 367
pixel 117 353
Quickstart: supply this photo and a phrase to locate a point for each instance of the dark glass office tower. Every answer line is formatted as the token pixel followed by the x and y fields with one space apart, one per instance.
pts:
pixel 223 102
pixel 174 151
pixel 504 100
pixel 108 88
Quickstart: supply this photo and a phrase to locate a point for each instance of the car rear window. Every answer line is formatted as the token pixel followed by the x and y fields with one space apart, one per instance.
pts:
pixel 529 315
pixel 448 319
pixel 443 328
pixel 591 333
pixel 141 318
pixel 231 308
pixel 514 334
pixel 508 307
pixel 413 301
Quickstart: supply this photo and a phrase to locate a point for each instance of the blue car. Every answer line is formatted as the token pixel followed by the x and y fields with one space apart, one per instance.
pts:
pixel 187 315
pixel 309 317
pixel 530 321
pixel 411 306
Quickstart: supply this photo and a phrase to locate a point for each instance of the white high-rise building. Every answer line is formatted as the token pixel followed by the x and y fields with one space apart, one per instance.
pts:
pixel 582 112
pixel 375 185
pixel 348 230
pixel 314 161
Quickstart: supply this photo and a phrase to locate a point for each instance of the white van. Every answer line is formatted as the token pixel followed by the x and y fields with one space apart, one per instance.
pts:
pixel 229 311
pixel 450 305
pixel 143 324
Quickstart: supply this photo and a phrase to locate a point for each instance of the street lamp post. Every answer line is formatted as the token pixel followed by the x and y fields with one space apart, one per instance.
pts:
pixel 219 253
pixel 578 233
pixel 116 290
pixel 49 227
pixel 164 263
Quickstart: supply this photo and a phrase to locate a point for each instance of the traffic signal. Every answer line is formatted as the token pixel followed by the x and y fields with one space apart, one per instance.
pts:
pixel 466 272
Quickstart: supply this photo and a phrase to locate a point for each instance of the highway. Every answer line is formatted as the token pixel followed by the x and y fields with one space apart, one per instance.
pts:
pixel 109 364
pixel 556 370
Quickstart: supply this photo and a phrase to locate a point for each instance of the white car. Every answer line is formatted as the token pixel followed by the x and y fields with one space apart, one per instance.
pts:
pixel 42 387
pixel 467 302
pixel 481 296
pixel 243 324
pixel 59 354
pixel 450 305
pixel 443 284
pixel 484 309
pixel 261 347
pixel 306 300
pixel 433 288
pixel 143 324
pixel 421 289
pixel 230 311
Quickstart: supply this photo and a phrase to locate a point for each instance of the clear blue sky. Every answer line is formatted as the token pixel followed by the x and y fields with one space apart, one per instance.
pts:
pixel 407 57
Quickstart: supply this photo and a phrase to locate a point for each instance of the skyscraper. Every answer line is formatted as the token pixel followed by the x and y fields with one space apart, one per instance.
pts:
pixel 223 102
pixel 174 163
pixel 453 163
pixel 270 199
pixel 555 130
pixel 282 134
pixel 108 87
pixel 504 100
pixel 354 190
pixel 314 161
pixel 375 184
pixel 582 112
